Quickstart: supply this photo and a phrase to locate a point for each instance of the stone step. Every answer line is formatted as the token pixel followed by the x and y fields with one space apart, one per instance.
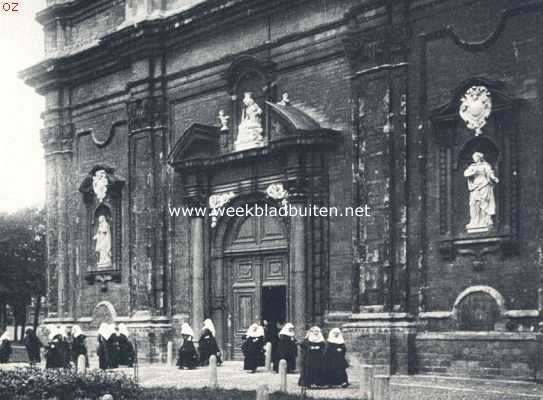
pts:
pixel 432 387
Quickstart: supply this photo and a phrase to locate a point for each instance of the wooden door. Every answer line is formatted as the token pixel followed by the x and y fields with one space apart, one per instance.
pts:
pixel 245 298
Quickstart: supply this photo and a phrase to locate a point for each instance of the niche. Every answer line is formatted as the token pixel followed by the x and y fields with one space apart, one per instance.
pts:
pixel 479 118
pixel 101 222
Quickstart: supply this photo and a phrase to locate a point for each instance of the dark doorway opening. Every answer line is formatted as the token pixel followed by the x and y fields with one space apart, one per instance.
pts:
pixel 274 308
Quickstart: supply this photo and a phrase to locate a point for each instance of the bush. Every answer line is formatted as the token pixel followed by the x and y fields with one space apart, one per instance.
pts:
pixel 62 384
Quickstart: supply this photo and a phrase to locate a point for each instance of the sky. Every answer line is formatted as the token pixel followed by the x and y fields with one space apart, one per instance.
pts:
pixel 22 169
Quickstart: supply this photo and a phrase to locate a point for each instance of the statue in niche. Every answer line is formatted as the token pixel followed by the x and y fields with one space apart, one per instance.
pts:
pixel 250 128
pixel 103 243
pixel 99 184
pixel 482 204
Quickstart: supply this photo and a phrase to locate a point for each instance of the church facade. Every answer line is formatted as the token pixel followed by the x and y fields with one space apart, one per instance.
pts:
pixel 425 113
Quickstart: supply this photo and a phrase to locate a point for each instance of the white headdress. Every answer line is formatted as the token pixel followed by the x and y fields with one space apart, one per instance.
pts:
pixel 208 324
pixel 6 336
pixel 315 335
pixel 187 330
pixel 287 330
pixel 123 330
pixel 335 336
pixel 255 331
pixel 64 331
pixel 76 331
pixel 105 331
pixel 114 329
pixel 54 331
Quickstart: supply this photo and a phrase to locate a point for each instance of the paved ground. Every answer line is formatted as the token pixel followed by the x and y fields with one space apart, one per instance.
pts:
pixel 230 376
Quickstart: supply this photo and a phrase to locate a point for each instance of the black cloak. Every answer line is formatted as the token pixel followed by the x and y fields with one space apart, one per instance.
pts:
pixel 55 356
pixel 287 349
pixel 33 346
pixel 253 350
pixel 79 348
pixel 313 368
pixel 114 351
pixel 187 355
pixel 126 351
pixel 336 364
pixel 207 347
pixel 103 353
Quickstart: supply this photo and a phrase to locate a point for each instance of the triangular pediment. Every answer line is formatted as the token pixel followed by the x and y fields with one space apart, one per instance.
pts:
pixel 198 141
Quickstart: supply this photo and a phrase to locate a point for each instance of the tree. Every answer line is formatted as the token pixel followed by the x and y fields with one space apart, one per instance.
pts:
pixel 23 261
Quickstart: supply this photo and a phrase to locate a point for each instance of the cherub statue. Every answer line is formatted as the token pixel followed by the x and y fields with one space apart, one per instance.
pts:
pixel 223 118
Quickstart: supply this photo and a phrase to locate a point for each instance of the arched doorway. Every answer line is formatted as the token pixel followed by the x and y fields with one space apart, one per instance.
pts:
pixel 256 271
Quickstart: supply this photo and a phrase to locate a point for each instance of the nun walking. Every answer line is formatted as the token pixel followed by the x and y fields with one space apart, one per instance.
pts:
pixel 313 368
pixel 207 345
pixel 253 348
pixel 79 348
pixel 66 344
pixel 104 334
pixel 114 347
pixel 335 358
pixel 33 346
pixel 55 356
pixel 287 348
pixel 127 353
pixel 187 357
pixel 5 347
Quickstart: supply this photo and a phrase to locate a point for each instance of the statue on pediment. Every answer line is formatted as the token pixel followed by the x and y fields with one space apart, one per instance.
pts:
pixel 250 129
pixel 99 184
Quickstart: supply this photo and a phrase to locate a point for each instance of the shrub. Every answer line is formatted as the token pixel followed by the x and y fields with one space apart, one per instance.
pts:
pixel 63 384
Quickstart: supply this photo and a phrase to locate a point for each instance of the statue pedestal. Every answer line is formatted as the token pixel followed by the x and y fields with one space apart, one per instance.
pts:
pixel 480 229
pixel 104 265
pixel 249 137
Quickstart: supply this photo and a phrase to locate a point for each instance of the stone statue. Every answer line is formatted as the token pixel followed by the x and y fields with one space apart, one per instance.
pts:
pixel 103 242
pixel 482 204
pixel 285 101
pixel 250 128
pixel 223 118
pixel 99 184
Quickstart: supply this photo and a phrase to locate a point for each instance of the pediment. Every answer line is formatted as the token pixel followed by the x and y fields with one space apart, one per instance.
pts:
pixel 289 128
pixel 198 141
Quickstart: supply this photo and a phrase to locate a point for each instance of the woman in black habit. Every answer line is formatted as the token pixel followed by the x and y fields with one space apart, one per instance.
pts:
pixel 336 364
pixel 253 348
pixel 187 357
pixel 287 349
pixel 113 347
pixel 5 348
pixel 55 356
pixel 127 353
pixel 33 346
pixel 79 348
pixel 207 345
pixel 104 333
pixel 313 368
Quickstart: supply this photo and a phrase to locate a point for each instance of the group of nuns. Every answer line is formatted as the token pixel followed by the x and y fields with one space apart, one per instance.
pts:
pixel 114 347
pixel 188 357
pixel 323 361
pixel 63 350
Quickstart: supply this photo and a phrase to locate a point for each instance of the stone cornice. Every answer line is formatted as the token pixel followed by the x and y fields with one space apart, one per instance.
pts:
pixel 150 37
